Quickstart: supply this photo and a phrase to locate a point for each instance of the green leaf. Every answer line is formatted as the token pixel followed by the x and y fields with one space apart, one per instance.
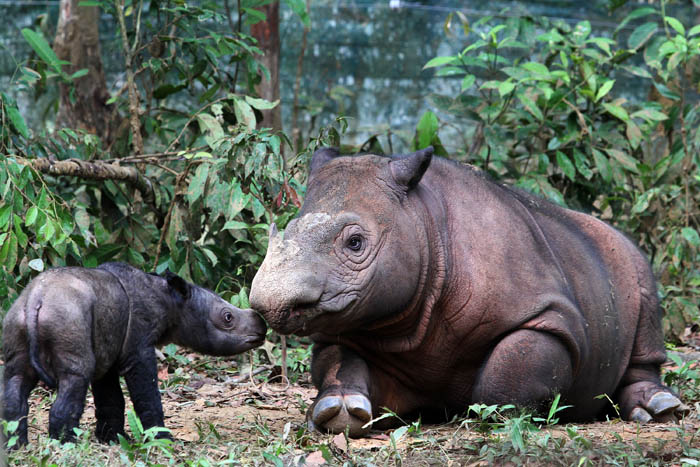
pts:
pixel 244 114
pixel 603 165
pixel 212 129
pixel 627 161
pixel 506 87
pixel 36 264
pixel 531 106
pixel 638 71
pixel 536 68
pixel 440 61
pixel 164 90
pixel 641 35
pixel 566 165
pixel 427 129
pixel 261 104
pixel 42 48
pixel 650 115
pixel 582 164
pixel 634 134
pixel 31 216
pixel 237 201
pixel 89 3
pixel 638 13
pixel 79 74
pixel 642 202
pixel 198 182
pixel 694 30
pixel 235 225
pixel 8 252
pixel 691 236
pixel 174 228
pixel 617 111
pixel 299 8
pixel 675 24
pixel 604 89
pixel 17 121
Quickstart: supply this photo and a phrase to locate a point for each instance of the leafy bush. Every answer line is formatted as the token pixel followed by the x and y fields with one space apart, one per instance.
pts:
pixel 548 111
pixel 199 194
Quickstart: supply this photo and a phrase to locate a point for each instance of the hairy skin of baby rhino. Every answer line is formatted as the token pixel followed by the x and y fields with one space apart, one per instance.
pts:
pixel 72 327
pixel 426 287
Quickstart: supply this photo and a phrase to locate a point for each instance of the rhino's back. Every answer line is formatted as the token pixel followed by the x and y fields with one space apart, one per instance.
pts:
pixel 515 253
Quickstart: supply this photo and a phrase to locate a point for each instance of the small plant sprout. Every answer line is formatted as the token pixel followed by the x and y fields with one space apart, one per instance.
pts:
pixel 145 441
pixel 553 410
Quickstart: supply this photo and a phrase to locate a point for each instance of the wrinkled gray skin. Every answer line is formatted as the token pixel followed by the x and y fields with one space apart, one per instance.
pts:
pixel 72 327
pixel 427 287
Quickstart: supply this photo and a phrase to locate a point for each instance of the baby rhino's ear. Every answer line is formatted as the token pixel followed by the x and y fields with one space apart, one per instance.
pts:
pixel 178 285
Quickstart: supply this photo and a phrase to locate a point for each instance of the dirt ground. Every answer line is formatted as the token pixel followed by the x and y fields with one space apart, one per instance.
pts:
pixel 210 416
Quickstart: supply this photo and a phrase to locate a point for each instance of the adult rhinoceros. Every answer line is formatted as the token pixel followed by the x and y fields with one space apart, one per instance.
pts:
pixel 427 287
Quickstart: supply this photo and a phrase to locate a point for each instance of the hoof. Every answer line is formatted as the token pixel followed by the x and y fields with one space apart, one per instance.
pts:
pixel 337 413
pixel 640 415
pixel 662 403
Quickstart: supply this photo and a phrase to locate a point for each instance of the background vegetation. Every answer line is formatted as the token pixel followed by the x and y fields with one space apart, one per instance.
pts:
pixel 174 167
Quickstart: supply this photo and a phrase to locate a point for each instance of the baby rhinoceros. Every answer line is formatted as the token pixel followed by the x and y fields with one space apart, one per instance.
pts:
pixel 74 326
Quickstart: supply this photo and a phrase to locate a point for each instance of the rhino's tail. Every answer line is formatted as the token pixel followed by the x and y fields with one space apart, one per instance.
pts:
pixel 32 316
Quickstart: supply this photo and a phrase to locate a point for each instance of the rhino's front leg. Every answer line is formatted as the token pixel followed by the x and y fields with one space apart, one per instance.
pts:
pixel 141 375
pixel 109 406
pixel 343 400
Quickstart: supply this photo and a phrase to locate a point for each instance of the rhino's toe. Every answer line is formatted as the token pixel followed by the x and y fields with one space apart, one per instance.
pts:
pixel 662 403
pixel 337 413
pixel 640 415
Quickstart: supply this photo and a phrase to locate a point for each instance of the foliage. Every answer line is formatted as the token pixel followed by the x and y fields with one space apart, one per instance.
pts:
pixel 684 377
pixel 143 442
pixel 219 178
pixel 550 113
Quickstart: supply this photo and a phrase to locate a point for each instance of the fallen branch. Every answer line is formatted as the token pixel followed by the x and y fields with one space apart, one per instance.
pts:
pixel 240 379
pixel 94 170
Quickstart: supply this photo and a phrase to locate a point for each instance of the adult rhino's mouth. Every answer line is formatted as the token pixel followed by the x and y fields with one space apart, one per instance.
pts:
pixel 305 320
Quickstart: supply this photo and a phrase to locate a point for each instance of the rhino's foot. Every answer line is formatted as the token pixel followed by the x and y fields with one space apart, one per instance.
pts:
pixel 662 406
pixel 336 413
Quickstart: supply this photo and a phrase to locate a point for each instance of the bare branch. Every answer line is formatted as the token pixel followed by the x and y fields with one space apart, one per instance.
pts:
pixel 95 170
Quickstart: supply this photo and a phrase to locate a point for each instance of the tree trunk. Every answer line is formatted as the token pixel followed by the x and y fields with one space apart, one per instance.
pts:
pixel 267 34
pixel 84 104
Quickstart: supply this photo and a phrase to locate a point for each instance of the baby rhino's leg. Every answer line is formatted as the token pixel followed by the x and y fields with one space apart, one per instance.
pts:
pixel 109 406
pixel 19 380
pixel 68 408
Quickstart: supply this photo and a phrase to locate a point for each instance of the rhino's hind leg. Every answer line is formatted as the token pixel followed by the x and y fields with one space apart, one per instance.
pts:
pixel 109 406
pixel 19 380
pixel 646 399
pixel 68 408
pixel 526 368
pixel 641 395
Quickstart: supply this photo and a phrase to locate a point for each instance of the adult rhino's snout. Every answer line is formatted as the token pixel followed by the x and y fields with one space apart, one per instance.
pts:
pixel 283 291
pixel 288 286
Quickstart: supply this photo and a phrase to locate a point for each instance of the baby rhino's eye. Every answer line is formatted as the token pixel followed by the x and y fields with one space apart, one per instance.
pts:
pixel 228 317
pixel 355 243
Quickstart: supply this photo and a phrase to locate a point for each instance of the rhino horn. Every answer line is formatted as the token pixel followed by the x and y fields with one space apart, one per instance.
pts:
pixel 407 170
pixel 321 157
pixel 273 231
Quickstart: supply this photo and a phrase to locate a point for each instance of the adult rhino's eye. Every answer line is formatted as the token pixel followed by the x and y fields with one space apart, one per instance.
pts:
pixel 228 317
pixel 355 243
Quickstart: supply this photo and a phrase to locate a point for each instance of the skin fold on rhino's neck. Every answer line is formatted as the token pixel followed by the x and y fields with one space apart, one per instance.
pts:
pixel 408 329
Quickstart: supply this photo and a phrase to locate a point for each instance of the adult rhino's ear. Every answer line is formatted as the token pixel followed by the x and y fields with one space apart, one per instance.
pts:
pixel 407 170
pixel 321 157
pixel 178 285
